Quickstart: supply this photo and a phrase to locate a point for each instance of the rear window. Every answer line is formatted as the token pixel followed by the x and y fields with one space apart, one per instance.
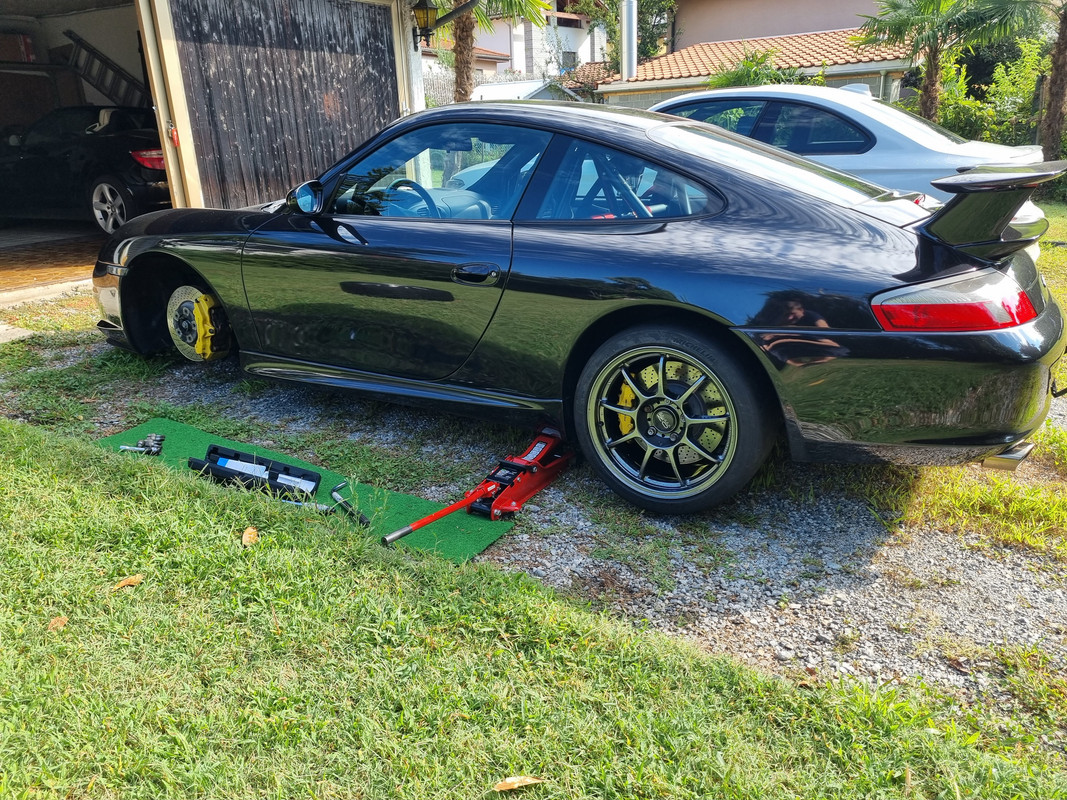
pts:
pixel 768 164
pixel 911 125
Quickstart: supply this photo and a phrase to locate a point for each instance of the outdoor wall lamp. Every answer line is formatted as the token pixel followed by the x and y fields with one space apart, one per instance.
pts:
pixel 425 21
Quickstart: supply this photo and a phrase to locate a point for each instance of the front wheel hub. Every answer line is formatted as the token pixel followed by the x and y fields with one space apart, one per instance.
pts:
pixel 197 324
pixel 663 423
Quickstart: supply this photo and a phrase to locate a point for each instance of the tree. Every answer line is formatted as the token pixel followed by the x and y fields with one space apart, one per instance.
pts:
pixel 463 30
pixel 933 30
pixel 1051 129
pixel 654 22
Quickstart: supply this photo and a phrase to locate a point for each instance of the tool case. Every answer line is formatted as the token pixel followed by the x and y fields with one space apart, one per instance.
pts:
pixel 256 472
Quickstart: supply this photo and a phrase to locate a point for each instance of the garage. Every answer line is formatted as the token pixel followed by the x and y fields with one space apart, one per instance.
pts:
pixel 240 101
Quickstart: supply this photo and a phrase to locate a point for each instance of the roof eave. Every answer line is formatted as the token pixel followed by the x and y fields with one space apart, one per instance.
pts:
pixel 700 81
pixel 653 86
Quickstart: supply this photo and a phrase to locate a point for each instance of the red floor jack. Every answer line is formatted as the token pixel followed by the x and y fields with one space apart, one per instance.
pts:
pixel 514 481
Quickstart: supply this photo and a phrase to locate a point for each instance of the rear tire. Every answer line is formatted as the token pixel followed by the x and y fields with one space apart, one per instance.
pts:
pixel 112 203
pixel 670 420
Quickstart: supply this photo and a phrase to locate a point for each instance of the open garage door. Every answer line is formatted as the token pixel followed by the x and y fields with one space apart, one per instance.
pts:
pixel 256 96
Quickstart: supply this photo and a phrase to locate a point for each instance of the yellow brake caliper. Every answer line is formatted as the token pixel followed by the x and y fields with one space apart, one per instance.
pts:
pixel 205 310
pixel 198 325
pixel 626 399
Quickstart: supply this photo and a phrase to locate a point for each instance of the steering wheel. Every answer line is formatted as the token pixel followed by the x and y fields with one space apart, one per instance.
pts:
pixel 431 206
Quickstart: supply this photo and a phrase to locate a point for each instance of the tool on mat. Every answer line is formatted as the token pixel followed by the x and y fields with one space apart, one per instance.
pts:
pixel 339 503
pixel 514 481
pixel 151 445
pixel 293 484
pixel 346 506
pixel 233 466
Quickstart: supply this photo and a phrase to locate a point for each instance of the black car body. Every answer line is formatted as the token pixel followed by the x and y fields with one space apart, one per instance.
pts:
pixel 85 162
pixel 672 295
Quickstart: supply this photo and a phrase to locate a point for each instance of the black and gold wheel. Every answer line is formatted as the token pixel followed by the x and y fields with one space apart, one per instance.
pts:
pixel 671 421
pixel 197 324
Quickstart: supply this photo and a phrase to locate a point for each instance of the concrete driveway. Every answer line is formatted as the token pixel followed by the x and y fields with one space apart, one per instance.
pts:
pixel 44 258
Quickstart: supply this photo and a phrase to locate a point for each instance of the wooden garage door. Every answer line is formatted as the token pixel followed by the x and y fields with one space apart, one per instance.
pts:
pixel 280 89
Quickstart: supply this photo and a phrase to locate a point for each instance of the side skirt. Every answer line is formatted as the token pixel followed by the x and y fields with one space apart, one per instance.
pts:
pixel 456 399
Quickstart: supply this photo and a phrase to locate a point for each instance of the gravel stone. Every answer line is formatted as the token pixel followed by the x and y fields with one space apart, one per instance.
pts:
pixel 842 593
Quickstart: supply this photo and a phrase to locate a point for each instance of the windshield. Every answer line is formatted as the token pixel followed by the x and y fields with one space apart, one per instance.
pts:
pixel 767 163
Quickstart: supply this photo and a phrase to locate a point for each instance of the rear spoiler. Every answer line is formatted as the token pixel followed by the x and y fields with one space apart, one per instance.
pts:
pixel 987 198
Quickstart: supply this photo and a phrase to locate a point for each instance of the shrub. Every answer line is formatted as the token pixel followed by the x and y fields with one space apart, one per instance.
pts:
pixel 960 113
pixel 757 69
pixel 1012 91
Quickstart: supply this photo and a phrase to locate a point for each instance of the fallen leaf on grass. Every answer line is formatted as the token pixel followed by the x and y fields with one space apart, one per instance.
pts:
pixel 250 536
pixel 133 580
pixel 57 623
pixel 517 782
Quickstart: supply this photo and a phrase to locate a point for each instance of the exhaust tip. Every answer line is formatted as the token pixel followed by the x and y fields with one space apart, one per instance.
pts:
pixel 1011 458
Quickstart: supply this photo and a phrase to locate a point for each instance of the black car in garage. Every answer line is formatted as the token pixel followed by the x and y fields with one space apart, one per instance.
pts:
pixel 85 162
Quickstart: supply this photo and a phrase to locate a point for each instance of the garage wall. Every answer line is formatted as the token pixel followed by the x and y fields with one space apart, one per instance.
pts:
pixel 278 91
pixel 112 31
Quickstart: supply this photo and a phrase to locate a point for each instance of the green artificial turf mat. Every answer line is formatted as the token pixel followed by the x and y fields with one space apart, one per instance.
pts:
pixel 456 537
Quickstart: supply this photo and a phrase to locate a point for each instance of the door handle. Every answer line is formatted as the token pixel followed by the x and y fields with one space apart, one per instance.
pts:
pixel 481 274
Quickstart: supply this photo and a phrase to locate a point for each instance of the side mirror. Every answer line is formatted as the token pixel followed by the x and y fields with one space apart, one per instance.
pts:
pixel 305 198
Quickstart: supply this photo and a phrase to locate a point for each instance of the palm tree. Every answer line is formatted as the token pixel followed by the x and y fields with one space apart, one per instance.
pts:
pixel 1051 128
pixel 463 28
pixel 933 30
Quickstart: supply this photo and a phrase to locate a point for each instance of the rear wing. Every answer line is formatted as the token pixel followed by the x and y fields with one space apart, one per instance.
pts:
pixel 978 219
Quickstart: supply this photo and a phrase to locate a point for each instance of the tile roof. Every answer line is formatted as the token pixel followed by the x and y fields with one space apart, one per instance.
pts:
pixel 445 43
pixel 588 74
pixel 797 50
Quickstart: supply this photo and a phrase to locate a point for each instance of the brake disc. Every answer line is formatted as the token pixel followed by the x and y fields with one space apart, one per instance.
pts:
pixel 197 324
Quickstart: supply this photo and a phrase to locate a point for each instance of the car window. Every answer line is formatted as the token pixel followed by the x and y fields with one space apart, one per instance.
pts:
pixel 61 124
pixel 597 182
pixel 764 163
pixel 738 116
pixel 446 171
pixel 807 130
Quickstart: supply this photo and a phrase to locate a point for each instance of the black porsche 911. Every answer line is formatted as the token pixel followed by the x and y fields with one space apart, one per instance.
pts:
pixel 672 295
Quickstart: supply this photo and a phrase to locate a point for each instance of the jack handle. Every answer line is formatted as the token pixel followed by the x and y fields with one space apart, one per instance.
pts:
pixel 486 489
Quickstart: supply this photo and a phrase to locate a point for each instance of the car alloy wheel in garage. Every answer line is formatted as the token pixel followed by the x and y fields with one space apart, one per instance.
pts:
pixel 112 203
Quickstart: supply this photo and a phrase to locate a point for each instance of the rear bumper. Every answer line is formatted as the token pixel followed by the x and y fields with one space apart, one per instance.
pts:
pixel 149 188
pixel 930 399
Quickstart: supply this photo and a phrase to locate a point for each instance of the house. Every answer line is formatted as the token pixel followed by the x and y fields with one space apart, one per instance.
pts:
pixel 699 21
pixel 565 42
pixel 520 50
pixel 831 52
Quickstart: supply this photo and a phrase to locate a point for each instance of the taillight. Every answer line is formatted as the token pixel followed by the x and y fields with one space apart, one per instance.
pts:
pixel 978 301
pixel 153 159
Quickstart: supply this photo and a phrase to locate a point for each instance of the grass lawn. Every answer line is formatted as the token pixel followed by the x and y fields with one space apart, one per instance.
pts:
pixel 316 664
